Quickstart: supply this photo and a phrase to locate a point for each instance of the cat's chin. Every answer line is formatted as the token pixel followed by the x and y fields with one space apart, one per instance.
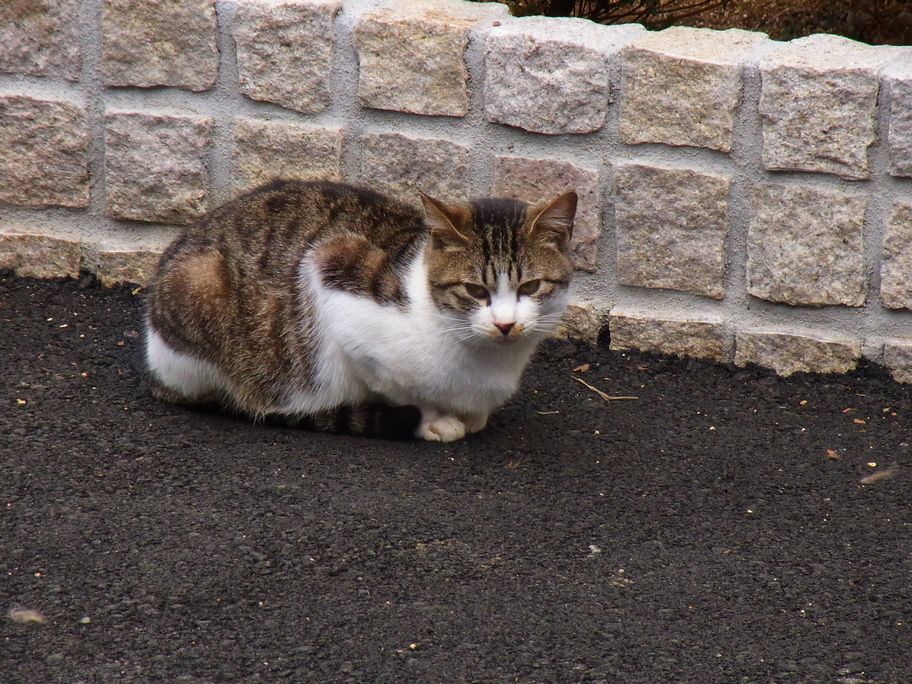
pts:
pixel 506 342
pixel 495 342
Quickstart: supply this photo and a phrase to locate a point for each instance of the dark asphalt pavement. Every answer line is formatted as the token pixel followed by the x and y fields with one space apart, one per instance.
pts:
pixel 718 528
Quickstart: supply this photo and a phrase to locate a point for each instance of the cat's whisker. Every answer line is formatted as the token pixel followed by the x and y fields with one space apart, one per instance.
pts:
pixel 541 327
pixel 467 337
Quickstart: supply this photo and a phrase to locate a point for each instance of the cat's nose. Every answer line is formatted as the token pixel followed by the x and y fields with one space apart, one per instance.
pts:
pixel 505 328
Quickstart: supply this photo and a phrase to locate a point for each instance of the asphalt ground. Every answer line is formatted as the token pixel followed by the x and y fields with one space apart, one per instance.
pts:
pixel 724 526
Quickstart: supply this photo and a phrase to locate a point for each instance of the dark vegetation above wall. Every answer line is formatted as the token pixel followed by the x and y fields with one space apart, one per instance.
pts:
pixel 870 21
pixel 656 14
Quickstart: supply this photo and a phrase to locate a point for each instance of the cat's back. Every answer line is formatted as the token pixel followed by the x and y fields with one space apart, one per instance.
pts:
pixel 253 245
pixel 265 233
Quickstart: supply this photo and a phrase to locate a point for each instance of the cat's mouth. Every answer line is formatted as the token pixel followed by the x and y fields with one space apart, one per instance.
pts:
pixel 513 336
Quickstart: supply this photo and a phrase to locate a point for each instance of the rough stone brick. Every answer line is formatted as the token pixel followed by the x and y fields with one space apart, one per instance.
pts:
pixel 39 256
pixel 280 149
pixel 119 266
pixel 551 75
pixel 788 353
pixel 284 51
pixel 411 55
pixel 818 105
pixel 537 180
pixel 671 227
pixel 403 165
pixel 582 321
pixel 683 86
pixel 896 264
pixel 155 166
pixel 43 152
pixel 702 338
pixel 804 246
pixel 898 360
pixel 39 38
pixel 154 44
pixel 900 80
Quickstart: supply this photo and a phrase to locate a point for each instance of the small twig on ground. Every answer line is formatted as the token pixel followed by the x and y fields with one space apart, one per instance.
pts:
pixel 25 616
pixel 879 476
pixel 603 395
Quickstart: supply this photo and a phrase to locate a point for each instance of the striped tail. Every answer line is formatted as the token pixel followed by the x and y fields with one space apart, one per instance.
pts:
pixel 370 420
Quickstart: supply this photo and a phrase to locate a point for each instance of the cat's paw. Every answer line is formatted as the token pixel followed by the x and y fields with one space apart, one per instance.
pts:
pixel 475 423
pixel 441 429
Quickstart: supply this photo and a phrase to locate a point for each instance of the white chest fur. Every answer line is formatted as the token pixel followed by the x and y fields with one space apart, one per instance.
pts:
pixel 408 356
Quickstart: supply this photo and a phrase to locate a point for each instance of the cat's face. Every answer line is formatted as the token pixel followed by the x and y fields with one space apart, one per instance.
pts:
pixel 498 269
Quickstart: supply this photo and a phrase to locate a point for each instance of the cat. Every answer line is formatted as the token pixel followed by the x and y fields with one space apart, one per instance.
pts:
pixel 350 311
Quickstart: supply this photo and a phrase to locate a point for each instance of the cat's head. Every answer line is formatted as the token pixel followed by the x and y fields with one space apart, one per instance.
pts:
pixel 499 269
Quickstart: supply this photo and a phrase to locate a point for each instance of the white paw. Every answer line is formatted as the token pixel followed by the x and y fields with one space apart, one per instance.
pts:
pixel 441 429
pixel 475 423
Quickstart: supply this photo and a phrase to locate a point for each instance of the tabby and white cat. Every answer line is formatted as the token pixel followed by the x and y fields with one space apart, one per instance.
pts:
pixel 334 305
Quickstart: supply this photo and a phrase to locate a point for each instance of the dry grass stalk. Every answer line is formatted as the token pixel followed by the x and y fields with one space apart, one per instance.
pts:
pixel 603 395
pixel 26 616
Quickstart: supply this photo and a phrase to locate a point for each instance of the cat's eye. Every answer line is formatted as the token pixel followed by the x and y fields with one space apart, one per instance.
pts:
pixel 476 291
pixel 529 287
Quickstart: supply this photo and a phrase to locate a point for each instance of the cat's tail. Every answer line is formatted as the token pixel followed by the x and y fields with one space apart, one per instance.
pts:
pixel 370 420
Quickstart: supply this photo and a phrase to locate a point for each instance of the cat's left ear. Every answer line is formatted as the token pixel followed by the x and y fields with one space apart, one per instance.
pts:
pixel 553 221
pixel 445 223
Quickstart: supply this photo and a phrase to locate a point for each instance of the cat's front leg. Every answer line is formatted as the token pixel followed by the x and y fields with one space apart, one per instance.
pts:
pixel 439 427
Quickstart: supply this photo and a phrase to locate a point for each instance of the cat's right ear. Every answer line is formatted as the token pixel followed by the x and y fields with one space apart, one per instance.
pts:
pixel 553 221
pixel 443 222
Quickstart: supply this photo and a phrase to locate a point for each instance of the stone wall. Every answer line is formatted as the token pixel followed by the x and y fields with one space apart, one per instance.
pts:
pixel 741 199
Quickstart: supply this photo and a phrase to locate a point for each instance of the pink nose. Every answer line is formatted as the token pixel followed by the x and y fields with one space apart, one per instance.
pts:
pixel 505 328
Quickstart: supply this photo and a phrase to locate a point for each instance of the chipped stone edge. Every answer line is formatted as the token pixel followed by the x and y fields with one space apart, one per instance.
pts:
pixel 583 320
pixel 838 353
pixel 700 336
pixel 897 359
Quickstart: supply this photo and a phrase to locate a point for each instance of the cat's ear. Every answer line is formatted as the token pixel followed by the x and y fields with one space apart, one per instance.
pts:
pixel 553 221
pixel 444 223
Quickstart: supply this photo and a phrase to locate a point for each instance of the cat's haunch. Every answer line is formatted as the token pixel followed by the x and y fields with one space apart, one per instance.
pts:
pixel 345 310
